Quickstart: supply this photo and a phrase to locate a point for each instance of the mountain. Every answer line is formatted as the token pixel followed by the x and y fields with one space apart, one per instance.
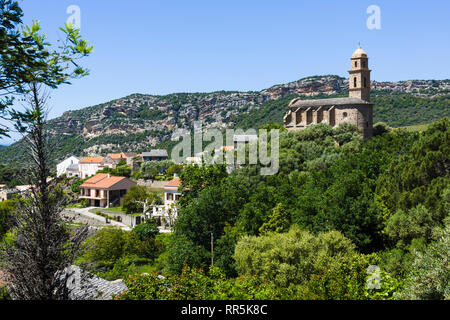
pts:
pixel 141 122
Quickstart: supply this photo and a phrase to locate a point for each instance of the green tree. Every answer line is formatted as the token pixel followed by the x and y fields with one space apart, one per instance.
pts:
pixel 137 197
pixel 146 231
pixel 41 246
pixel 403 227
pixel 7 209
pixel 278 222
pixel 429 278
pixel 291 258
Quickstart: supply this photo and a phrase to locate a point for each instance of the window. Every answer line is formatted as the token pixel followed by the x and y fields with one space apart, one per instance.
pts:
pixel 365 82
pixel 364 64
pixel 354 82
pixel 356 64
pixel 345 114
pixel 170 196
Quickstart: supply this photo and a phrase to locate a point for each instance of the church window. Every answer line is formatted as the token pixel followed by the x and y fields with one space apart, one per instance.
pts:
pixel 364 64
pixel 356 64
pixel 354 82
pixel 365 82
pixel 345 114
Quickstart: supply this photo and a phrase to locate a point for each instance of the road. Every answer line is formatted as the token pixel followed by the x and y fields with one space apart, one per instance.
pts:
pixel 91 216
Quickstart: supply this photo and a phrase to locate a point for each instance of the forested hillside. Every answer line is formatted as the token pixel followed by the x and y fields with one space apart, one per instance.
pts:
pixel 337 206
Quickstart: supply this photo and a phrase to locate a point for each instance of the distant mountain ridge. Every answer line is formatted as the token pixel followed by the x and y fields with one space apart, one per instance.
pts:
pixel 140 122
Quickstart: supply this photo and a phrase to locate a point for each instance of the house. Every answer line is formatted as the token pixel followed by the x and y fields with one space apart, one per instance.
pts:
pixel 25 188
pixel 113 159
pixel 73 170
pixel 105 190
pixel 166 214
pixel 72 162
pixel 89 166
pixel 171 194
pixel 155 155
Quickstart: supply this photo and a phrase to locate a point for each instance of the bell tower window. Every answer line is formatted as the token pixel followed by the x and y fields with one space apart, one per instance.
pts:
pixel 356 64
pixel 354 82
pixel 365 82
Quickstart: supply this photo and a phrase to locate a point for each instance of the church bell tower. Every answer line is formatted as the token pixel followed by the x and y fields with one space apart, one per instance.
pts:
pixel 359 80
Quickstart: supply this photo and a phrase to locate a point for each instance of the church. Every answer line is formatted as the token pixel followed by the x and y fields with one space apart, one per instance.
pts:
pixel 356 109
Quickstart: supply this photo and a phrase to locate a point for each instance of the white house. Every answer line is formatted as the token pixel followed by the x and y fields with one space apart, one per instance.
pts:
pixel 166 214
pixel 62 167
pixel 89 166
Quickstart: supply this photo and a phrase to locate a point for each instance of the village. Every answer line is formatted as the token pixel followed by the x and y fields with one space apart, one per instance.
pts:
pixel 103 187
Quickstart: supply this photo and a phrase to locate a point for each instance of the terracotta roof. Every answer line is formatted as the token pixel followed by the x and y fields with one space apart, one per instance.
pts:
pixel 176 182
pixel 102 181
pixel 228 148
pixel 117 155
pixel 92 160
pixel 122 155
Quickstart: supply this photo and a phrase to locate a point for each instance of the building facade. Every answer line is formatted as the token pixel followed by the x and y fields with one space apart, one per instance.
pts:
pixel 356 109
pixel 166 214
pixel 105 191
pixel 89 166
pixel 63 166
pixel 155 155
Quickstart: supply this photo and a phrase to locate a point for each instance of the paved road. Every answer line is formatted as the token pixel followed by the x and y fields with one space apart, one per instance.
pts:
pixel 85 212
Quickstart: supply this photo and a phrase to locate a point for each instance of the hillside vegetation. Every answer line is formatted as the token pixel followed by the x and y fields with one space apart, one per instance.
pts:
pixel 139 122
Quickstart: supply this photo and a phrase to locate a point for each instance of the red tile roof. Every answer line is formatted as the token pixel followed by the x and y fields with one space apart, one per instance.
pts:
pixel 92 160
pixel 176 182
pixel 102 181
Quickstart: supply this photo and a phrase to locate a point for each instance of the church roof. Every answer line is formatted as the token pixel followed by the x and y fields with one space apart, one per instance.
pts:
pixel 297 103
pixel 359 53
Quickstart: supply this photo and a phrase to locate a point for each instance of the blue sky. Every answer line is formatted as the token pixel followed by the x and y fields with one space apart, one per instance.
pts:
pixel 161 47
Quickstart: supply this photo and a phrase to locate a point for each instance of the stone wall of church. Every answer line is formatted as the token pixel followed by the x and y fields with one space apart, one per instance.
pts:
pixel 360 116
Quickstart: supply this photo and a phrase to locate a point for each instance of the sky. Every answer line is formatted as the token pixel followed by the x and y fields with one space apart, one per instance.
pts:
pixel 168 46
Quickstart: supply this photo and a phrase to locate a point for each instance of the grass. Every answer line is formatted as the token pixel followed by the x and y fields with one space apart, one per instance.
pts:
pixel 156 190
pixel 418 127
pixel 146 268
pixel 115 209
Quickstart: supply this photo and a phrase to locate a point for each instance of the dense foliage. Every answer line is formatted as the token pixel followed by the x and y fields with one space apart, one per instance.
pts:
pixel 385 198
pixel 114 253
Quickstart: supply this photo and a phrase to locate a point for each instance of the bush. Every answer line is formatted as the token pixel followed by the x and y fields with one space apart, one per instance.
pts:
pixel 194 284
pixel 133 200
pixel 429 278
pixel 379 128
pixel 4 294
pixel 293 257
pixel 146 231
